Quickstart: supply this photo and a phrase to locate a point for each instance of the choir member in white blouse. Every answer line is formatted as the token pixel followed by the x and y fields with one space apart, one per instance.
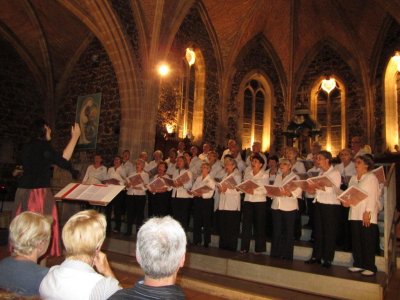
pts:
pixel 206 149
pixel 256 149
pixel 326 213
pixel 216 172
pixel 181 200
pixel 272 172
pixel 347 170
pixel 203 206
pixel 95 173
pixel 171 161
pixel 136 197
pixel 128 165
pixel 364 217
pixel 254 208
pixel 151 167
pixel 160 198
pixel 229 209
pixel 284 210
pixel 195 162
pixel 116 175
pixel 292 155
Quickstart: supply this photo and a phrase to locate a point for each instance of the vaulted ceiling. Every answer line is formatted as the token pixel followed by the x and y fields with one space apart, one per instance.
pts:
pixel 48 34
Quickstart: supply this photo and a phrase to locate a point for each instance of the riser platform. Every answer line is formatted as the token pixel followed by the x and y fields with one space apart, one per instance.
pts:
pixel 335 282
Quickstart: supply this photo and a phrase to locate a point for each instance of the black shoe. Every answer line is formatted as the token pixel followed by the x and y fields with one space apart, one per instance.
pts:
pixel 312 261
pixel 327 264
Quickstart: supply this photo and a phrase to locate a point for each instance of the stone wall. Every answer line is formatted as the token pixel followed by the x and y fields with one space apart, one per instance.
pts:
pixel 21 101
pixel 329 62
pixel 254 56
pixel 193 33
pixel 93 73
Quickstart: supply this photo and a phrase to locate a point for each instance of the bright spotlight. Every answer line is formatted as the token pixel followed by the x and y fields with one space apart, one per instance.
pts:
pixel 163 70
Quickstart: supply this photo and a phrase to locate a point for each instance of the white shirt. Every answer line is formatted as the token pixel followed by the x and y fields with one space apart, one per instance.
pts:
pixel 298 167
pixel 128 166
pixel 181 192
pixel 142 191
pixel 329 196
pixel 195 166
pixel 95 175
pixel 346 171
pixel 230 200
pixel 369 184
pixel 217 171
pixel 207 181
pixel 203 156
pixel 261 178
pixel 171 167
pixel 286 203
pixel 74 279
pixel 118 174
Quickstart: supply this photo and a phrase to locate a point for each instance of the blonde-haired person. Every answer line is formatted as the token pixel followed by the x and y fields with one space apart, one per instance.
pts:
pixel 29 239
pixel 83 236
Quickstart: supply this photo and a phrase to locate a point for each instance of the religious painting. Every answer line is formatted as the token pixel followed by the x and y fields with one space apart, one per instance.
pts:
pixel 87 116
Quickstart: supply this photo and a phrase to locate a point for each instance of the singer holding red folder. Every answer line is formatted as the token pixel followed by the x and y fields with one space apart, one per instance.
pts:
pixel 364 217
pixel 326 213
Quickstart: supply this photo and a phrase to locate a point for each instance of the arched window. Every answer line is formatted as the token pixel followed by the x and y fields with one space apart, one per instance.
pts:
pixel 191 108
pixel 328 109
pixel 392 87
pixel 256 113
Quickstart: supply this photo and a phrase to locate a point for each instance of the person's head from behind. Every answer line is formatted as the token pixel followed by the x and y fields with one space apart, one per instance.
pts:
pixel 30 232
pixel 83 235
pixel 161 247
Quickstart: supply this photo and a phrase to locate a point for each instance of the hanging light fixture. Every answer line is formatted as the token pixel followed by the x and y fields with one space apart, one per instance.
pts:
pixel 328 84
pixel 190 56
pixel 163 69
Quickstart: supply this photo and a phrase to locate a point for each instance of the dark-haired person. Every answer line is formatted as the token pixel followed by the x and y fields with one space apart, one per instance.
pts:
pixel 326 213
pixel 364 217
pixel 37 157
pixel 254 208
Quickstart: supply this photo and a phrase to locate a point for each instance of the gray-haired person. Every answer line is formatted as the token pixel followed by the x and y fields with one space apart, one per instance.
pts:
pixel 160 252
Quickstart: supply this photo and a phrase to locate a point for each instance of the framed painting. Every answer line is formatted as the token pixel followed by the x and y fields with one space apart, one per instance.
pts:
pixel 87 116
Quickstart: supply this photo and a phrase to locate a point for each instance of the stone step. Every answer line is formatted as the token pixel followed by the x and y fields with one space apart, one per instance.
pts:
pixel 214 284
pixel 335 282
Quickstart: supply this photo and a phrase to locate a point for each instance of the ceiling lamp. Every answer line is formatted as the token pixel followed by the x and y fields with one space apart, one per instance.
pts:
pixel 328 85
pixel 190 56
pixel 163 69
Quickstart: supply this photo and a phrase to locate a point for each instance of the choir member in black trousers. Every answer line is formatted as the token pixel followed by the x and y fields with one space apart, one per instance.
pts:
pixel 160 198
pixel 229 208
pixel 203 206
pixel 326 212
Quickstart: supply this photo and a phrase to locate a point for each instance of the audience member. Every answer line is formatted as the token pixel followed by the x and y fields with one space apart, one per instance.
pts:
pixel 29 239
pixel 83 236
pixel 160 252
